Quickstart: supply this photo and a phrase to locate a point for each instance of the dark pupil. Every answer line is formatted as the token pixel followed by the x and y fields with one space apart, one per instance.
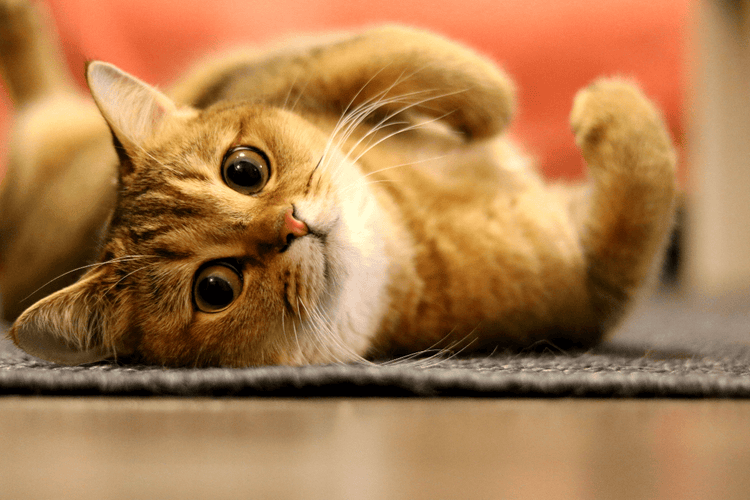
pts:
pixel 215 291
pixel 244 173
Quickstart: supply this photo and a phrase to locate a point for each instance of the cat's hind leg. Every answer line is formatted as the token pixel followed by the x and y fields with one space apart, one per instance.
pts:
pixel 626 213
pixel 59 182
pixel 30 61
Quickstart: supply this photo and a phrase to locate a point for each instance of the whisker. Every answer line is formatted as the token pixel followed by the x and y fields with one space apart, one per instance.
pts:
pixel 401 165
pixel 299 95
pixel 126 276
pixel 289 92
pixel 419 355
pixel 321 342
pixel 89 266
pixel 350 125
pixel 397 99
pixel 361 185
pixel 362 112
pixel 388 136
pixel 332 339
pixel 400 131
pixel 452 355
pixel 437 356
pixel 349 122
pixel 296 336
pixel 375 99
pixel 364 182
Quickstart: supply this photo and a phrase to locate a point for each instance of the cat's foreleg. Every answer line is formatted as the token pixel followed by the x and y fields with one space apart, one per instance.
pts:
pixel 445 80
pixel 625 215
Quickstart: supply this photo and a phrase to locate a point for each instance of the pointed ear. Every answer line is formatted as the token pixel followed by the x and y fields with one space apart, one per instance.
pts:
pixel 68 327
pixel 133 109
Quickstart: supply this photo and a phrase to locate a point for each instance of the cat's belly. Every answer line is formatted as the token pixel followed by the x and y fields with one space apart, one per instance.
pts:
pixel 509 272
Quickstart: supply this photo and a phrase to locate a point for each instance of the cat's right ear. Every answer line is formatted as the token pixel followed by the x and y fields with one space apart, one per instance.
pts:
pixel 72 326
pixel 133 109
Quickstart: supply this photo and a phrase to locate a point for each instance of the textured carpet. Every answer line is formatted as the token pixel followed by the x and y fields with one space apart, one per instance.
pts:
pixel 668 347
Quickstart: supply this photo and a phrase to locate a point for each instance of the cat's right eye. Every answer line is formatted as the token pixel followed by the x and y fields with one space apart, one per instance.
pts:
pixel 245 170
pixel 216 287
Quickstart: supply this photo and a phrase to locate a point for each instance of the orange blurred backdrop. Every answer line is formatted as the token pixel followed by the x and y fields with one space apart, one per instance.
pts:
pixel 550 48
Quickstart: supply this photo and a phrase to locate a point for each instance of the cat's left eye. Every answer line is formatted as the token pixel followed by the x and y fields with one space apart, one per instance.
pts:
pixel 216 287
pixel 245 170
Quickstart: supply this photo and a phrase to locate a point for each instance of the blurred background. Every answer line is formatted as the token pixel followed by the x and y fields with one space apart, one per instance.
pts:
pixel 550 48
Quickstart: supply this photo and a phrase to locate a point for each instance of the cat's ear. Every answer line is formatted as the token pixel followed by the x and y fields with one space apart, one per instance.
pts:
pixel 69 327
pixel 399 68
pixel 133 109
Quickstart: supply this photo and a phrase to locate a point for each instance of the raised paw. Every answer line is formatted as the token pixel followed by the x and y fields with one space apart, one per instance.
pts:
pixel 630 203
pixel 616 125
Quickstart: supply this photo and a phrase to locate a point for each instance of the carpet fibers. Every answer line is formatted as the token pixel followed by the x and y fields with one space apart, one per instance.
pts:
pixel 669 346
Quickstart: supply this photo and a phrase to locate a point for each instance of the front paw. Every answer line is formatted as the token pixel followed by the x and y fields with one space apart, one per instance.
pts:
pixel 613 120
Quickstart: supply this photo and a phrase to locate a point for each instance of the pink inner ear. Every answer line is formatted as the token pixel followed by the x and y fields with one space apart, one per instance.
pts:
pixel 158 113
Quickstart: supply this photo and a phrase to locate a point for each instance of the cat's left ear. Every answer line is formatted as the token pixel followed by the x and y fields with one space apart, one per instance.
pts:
pixel 133 109
pixel 72 326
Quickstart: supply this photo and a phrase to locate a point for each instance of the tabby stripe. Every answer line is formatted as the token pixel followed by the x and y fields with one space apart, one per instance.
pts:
pixel 171 254
pixel 286 298
pixel 183 175
pixel 158 187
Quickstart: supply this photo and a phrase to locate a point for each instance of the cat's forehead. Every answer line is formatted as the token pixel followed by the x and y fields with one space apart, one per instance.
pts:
pixel 188 153
pixel 284 135
pixel 176 194
pixel 192 143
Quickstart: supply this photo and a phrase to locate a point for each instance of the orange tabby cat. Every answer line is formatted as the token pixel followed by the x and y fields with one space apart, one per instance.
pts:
pixel 321 202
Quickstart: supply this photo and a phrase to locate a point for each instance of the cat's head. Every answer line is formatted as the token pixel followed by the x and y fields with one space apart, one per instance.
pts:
pixel 229 239
pixel 242 234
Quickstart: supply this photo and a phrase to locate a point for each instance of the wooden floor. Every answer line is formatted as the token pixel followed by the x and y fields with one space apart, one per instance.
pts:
pixel 59 448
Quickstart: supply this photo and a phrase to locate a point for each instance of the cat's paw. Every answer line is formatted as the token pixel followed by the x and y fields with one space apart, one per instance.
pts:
pixel 616 125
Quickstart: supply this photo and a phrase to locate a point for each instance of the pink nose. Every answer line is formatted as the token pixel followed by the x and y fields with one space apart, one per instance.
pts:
pixel 293 228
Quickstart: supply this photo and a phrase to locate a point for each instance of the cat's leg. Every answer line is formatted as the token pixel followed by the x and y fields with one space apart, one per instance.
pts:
pixel 626 213
pixel 383 71
pixel 442 79
pixel 58 185
pixel 30 61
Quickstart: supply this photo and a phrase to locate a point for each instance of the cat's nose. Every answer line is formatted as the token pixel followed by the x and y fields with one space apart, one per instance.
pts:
pixel 292 227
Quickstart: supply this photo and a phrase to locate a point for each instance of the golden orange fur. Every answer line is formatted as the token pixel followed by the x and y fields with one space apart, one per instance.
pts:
pixel 320 202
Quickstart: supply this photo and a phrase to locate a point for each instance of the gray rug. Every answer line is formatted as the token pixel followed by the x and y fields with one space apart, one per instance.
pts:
pixel 669 347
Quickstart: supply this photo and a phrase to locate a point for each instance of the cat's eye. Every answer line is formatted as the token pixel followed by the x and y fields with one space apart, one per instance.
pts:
pixel 216 287
pixel 246 170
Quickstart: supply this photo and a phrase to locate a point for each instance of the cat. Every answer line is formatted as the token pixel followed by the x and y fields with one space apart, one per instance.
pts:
pixel 334 199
